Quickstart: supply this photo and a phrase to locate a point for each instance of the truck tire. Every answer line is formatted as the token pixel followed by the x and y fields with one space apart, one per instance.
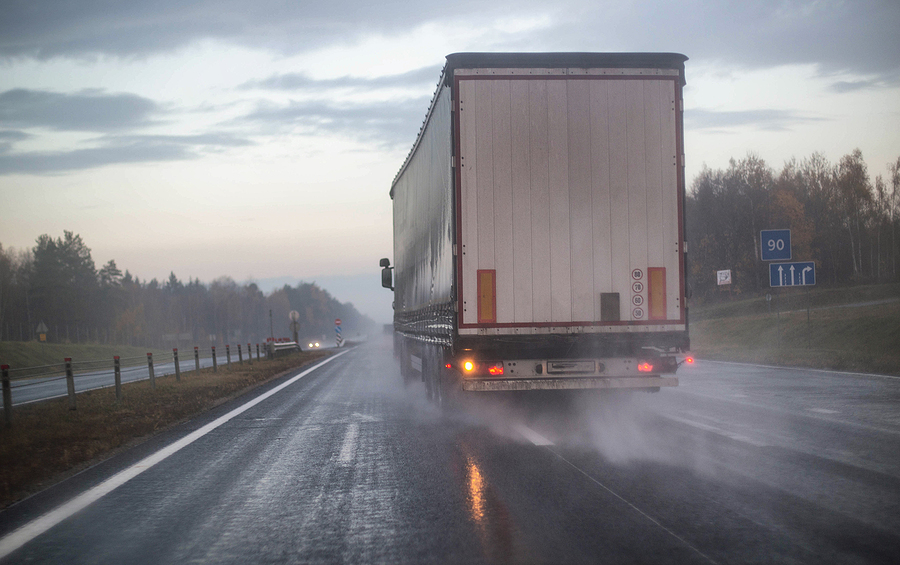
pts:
pixel 449 389
pixel 406 370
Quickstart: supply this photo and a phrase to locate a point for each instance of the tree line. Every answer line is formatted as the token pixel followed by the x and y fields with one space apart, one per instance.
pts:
pixel 839 218
pixel 57 283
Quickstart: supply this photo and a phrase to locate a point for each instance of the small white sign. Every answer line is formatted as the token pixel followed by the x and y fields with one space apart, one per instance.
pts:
pixel 723 277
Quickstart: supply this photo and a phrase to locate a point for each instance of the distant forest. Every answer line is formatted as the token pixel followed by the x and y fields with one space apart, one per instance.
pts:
pixel 57 283
pixel 839 218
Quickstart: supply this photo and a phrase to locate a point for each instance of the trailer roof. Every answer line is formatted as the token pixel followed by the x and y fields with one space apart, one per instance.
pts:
pixel 569 60
pixel 565 60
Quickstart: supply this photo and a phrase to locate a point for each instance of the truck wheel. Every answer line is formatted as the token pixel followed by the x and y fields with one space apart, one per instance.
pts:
pixel 405 364
pixel 449 390
pixel 428 375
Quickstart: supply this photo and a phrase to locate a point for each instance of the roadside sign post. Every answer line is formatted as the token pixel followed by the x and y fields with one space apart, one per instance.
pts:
pixel 338 337
pixel 7 396
pixel 117 371
pixel 295 327
pixel 801 273
pixel 150 371
pixel 70 383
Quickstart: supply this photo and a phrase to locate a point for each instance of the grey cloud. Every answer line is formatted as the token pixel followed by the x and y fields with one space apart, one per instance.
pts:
pixel 8 137
pixel 13 135
pixel 117 150
pixel 857 85
pixel 79 159
pixel 89 110
pixel 837 35
pixel 48 28
pixel 300 81
pixel 387 123
pixel 769 120
pixel 203 140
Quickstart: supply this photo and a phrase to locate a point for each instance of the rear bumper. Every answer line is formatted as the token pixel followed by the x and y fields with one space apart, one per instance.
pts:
pixel 546 383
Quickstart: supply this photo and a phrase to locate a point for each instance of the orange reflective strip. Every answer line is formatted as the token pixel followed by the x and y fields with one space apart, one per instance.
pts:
pixel 487 296
pixel 656 293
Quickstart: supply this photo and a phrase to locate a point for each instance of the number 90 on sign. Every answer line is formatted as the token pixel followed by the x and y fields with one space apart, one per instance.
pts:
pixel 775 244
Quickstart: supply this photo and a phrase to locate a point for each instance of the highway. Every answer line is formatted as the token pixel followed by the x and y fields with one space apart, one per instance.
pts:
pixel 341 464
pixel 28 390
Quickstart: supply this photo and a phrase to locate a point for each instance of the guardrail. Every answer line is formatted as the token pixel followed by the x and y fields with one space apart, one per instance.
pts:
pixel 136 367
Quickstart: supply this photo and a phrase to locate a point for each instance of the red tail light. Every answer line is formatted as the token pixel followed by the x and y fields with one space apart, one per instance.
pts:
pixel 689 360
pixel 476 368
pixel 645 367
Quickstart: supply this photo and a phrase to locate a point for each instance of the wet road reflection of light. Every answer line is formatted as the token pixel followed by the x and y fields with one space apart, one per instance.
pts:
pixel 490 516
pixel 476 492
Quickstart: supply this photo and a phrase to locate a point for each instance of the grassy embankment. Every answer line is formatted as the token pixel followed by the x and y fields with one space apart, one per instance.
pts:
pixel 843 332
pixel 48 442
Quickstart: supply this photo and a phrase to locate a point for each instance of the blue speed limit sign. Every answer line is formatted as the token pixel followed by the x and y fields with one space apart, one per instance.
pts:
pixel 776 245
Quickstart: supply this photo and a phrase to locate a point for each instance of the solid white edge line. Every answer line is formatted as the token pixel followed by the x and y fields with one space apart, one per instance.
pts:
pixel 16 539
pixel 852 374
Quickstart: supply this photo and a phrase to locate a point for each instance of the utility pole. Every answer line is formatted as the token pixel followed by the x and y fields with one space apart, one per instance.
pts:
pixel 271 325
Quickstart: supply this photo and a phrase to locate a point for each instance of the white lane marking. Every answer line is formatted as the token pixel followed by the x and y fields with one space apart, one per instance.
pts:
pixel 792 413
pixel 635 508
pixel 532 435
pixel 33 529
pixel 715 430
pixel 808 369
pixel 348 449
pixel 823 410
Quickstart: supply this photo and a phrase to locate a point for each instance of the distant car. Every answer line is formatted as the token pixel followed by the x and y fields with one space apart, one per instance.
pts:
pixel 314 345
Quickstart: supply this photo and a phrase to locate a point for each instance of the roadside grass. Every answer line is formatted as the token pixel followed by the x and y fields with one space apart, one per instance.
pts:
pixel 837 335
pixel 48 442
pixel 19 354
pixel 788 299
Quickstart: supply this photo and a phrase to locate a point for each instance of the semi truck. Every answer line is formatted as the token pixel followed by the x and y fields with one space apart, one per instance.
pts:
pixel 538 226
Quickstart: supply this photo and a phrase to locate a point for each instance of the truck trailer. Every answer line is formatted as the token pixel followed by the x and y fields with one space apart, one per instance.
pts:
pixel 539 226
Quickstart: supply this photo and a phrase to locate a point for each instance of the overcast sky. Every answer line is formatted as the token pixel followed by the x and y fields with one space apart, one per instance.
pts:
pixel 259 139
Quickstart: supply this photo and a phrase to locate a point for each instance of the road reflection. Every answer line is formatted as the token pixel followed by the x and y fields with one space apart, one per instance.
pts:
pixel 488 512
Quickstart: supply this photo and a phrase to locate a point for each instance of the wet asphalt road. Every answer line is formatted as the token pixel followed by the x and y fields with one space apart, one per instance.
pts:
pixel 740 464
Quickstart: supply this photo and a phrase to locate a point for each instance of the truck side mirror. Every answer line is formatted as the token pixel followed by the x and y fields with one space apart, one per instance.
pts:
pixel 387 277
pixel 384 262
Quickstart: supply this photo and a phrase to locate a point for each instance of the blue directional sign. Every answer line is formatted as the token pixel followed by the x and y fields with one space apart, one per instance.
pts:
pixel 776 245
pixel 792 274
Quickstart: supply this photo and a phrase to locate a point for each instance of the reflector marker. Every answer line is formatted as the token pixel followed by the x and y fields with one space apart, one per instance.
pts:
pixel 487 296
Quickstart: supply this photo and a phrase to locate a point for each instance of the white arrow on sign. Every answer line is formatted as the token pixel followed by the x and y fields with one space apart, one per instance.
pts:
pixel 804 273
pixel 792 276
pixel 781 275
